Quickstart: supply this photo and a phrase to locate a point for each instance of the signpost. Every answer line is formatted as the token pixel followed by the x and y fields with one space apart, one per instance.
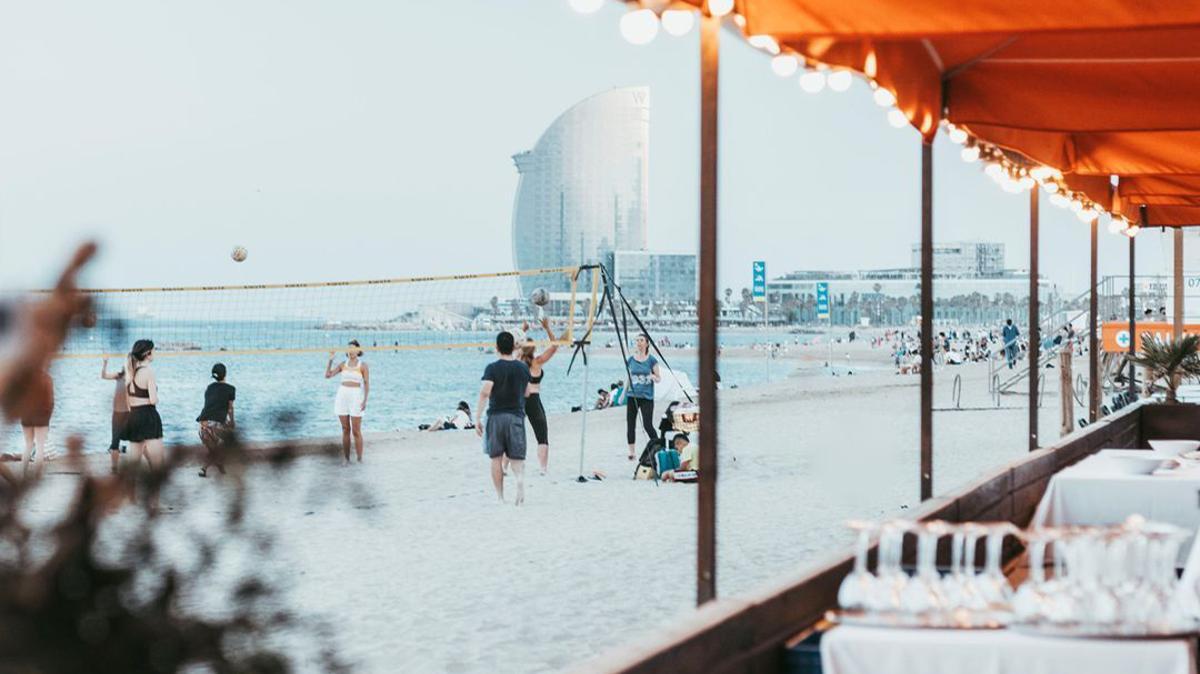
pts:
pixel 823 312
pixel 758 291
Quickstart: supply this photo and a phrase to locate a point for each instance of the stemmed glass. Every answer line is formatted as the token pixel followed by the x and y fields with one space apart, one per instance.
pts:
pixel 890 577
pixel 992 585
pixel 922 593
pixel 1030 597
pixel 857 587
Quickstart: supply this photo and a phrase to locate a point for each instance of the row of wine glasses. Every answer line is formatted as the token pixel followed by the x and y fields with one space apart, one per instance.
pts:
pixel 1114 578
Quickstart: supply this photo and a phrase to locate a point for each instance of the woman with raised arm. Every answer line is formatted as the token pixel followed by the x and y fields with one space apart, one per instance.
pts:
pixel 120 412
pixel 143 429
pixel 643 373
pixel 534 409
pixel 350 403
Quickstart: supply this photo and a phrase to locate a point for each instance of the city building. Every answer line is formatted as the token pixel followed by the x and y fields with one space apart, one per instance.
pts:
pixel 647 277
pixel 964 258
pixel 971 286
pixel 583 187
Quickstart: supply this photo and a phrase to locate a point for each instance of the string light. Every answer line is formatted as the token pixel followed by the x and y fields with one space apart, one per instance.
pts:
pixel 1132 231
pixel 639 26
pixel 897 118
pixel 812 81
pixel 1087 215
pixel 840 80
pixel 1027 183
pixel 884 97
pixel 970 154
pixel 994 171
pixel 1117 225
pixel 785 65
pixel 957 135
pixel 719 8
pixel 678 22
pixel 764 42
pixel 1059 200
pixel 1077 206
pixel 1050 186
pixel 586 6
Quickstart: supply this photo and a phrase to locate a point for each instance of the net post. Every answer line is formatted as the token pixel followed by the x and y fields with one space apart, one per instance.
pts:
pixel 571 319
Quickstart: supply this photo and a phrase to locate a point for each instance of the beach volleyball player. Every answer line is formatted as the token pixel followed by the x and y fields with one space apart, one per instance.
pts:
pixel 534 409
pixel 143 428
pixel 350 403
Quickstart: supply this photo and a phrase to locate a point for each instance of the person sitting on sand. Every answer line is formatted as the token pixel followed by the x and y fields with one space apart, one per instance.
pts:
pixel 689 461
pixel 460 420
pixel 603 401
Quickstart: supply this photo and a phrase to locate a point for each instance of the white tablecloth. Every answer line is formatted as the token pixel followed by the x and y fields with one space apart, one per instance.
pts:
pixel 1091 492
pixel 867 650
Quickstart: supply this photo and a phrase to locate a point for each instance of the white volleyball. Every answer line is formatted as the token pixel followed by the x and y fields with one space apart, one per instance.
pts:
pixel 539 297
pixel 238 254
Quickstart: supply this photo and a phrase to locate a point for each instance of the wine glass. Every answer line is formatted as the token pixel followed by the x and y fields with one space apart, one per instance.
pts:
pixel 858 585
pixel 890 577
pixel 921 593
pixel 1029 600
pixel 992 585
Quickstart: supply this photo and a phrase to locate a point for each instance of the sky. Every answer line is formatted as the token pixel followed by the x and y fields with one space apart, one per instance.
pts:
pixel 373 139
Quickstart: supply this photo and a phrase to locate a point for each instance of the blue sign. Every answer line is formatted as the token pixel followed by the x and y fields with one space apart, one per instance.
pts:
pixel 759 281
pixel 822 300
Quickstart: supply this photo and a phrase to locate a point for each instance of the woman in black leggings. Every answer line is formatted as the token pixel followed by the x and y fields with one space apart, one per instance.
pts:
pixel 643 372
pixel 534 410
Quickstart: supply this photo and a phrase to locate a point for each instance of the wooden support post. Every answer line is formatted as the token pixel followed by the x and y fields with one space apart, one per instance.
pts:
pixel 926 320
pixel 1095 386
pixel 1177 328
pixel 1035 319
pixel 1066 389
pixel 706 535
pixel 1133 392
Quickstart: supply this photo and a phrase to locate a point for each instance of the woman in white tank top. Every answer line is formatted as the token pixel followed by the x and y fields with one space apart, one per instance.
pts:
pixel 350 403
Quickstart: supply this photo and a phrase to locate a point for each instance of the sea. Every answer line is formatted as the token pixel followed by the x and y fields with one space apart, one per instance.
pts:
pixel 284 397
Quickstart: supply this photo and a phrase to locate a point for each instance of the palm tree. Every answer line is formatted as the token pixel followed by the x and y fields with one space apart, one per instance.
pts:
pixel 1169 360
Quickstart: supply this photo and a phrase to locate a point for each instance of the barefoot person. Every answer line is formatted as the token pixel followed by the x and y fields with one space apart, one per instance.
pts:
pixel 216 420
pixel 533 398
pixel 35 420
pixel 504 384
pixel 643 373
pixel 143 429
pixel 350 403
pixel 120 412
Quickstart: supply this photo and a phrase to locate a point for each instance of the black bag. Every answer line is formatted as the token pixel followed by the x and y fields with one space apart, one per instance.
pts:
pixel 647 460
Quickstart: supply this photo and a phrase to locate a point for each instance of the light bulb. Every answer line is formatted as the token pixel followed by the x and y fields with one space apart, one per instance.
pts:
pixel 1050 186
pixel 639 26
pixel 678 22
pixel 970 154
pixel 1116 225
pixel 764 42
pixel 1132 231
pixel 586 6
pixel 884 97
pixel 785 65
pixel 840 80
pixel 719 8
pixel 1059 200
pixel 1087 215
pixel 1077 206
pixel 1043 173
pixel 1026 182
pixel 897 118
pixel 812 81
pixel 958 136
pixel 994 171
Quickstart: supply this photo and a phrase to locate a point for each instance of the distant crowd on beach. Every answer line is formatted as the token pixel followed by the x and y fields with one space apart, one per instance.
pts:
pixel 955 347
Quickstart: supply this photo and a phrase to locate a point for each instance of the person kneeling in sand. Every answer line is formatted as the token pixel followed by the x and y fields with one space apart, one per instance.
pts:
pixel 689 461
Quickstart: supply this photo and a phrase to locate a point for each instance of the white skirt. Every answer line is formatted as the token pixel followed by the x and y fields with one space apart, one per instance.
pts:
pixel 348 401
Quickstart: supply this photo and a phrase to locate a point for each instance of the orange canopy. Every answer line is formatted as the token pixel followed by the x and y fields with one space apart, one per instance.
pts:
pixel 1092 88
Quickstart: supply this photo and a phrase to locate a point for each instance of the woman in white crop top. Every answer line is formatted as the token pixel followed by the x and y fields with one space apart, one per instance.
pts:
pixel 350 403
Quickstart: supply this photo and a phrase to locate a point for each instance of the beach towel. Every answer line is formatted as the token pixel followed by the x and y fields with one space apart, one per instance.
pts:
pixel 666 459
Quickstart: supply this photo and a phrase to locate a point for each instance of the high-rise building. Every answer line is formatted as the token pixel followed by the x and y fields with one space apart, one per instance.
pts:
pixel 583 187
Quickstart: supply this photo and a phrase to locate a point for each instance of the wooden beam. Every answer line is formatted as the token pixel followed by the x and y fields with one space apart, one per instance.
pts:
pixel 706 535
pixel 1095 386
pixel 1035 337
pixel 1177 328
pixel 926 320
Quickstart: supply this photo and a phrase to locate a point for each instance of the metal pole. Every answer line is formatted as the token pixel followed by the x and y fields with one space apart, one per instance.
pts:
pixel 706 536
pixel 1095 386
pixel 1035 337
pixel 926 320
pixel 1177 331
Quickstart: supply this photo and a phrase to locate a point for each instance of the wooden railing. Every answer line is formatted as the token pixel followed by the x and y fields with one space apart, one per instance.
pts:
pixel 748 633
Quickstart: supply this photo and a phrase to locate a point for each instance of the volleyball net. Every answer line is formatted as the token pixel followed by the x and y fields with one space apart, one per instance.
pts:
pixel 436 312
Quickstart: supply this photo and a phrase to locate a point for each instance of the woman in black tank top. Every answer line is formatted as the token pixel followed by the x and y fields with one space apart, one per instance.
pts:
pixel 143 429
pixel 533 398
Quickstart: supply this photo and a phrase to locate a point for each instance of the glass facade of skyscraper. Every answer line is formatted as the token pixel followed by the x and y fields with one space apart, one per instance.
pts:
pixel 583 187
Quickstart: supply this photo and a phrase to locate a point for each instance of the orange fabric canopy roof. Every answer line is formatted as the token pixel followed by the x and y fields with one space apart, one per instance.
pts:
pixel 1095 88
